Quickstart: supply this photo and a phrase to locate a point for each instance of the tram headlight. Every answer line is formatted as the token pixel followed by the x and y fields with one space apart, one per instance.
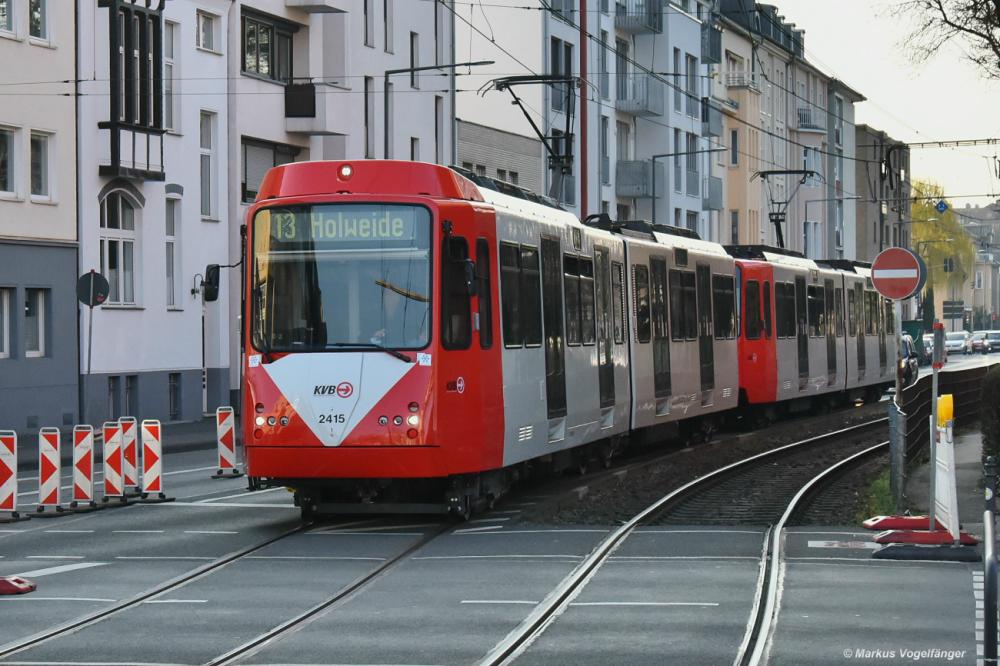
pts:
pixel 413 420
pixel 259 420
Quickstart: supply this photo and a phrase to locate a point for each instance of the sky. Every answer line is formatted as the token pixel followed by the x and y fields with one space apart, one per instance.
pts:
pixel 862 43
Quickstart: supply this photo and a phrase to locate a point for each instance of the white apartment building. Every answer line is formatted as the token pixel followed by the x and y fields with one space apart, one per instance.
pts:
pixel 307 82
pixel 645 83
pixel 152 172
pixel 38 223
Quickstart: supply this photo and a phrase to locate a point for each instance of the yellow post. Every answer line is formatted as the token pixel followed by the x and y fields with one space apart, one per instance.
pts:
pixel 946 410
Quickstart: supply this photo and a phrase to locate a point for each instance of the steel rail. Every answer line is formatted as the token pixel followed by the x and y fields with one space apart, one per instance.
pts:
pixel 556 601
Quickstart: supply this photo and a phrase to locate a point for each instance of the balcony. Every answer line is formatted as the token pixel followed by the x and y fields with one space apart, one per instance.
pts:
pixel 713 194
pixel 743 80
pixel 711 43
pixel 711 118
pixel 634 178
pixel 313 109
pixel 639 16
pixel 812 119
pixel 133 151
pixel 300 100
pixel 320 6
pixel 640 95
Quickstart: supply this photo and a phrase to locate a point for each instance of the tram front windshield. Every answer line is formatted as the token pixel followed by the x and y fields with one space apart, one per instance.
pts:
pixel 339 276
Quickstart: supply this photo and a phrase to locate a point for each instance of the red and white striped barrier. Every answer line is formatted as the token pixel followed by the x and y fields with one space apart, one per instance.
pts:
pixel 130 466
pixel 83 469
pixel 114 488
pixel 152 462
pixel 8 478
pixel 49 476
pixel 225 433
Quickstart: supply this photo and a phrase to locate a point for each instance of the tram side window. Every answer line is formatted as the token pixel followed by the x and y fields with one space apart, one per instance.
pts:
pixel 817 312
pixel 871 313
pixel 587 322
pixel 784 302
pixel 890 325
pixel 484 293
pixel 752 314
pixel 618 301
pixel 852 320
pixel 531 300
pixel 658 298
pixel 767 309
pixel 640 281
pixel 724 307
pixel 456 310
pixel 683 305
pixel 571 288
pixel 510 302
pixel 838 300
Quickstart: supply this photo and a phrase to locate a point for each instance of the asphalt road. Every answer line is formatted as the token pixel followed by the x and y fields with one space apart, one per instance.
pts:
pixel 669 595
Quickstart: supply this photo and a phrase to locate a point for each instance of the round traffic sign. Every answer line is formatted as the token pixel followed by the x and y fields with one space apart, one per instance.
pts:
pixel 92 289
pixel 896 273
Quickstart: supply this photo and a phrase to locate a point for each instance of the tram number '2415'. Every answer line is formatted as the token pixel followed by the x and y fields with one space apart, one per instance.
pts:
pixel 332 418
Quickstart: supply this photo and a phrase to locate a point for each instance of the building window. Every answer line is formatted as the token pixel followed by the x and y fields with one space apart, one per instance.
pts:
pixel 5 322
pixel 131 394
pixel 34 322
pixel 38 21
pixel 258 157
pixel 6 18
pixel 369 115
pixel 7 167
pixel 693 99
pixel 414 149
pixel 387 24
pixel 39 165
pixel 369 23
pixel 114 391
pixel 174 395
pixel 171 238
pixel 480 170
pixel 734 226
pixel 267 49
pixel 205 36
pixel 560 64
pixel 207 145
pixel 512 177
pixel 169 46
pixel 118 239
pixel 414 58
pixel 677 89
pixel 438 123
pixel 734 147
pixel 502 175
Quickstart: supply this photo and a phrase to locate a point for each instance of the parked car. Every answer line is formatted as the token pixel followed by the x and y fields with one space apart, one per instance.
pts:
pixel 908 361
pixel 993 341
pixel 979 343
pixel 928 349
pixel 958 342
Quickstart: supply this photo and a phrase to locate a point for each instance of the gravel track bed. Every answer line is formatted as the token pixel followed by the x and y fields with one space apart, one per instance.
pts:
pixel 613 500
pixel 840 501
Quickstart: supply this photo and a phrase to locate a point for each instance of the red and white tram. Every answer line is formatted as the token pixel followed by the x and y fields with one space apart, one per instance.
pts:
pixel 416 340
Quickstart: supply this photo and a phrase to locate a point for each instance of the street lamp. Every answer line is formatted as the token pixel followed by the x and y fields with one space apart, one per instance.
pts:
pixel 410 70
pixel 661 155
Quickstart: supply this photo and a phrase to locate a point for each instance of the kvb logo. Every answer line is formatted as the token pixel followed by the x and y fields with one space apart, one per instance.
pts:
pixel 345 389
pixel 341 390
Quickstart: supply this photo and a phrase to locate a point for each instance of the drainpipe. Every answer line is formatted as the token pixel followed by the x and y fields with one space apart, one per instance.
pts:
pixel 81 402
pixel 584 94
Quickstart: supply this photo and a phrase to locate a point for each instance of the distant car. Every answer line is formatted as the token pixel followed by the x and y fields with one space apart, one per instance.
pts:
pixel 928 350
pixel 958 342
pixel 908 360
pixel 979 343
pixel 993 341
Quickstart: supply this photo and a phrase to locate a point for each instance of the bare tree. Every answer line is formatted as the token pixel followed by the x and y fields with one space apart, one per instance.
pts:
pixel 975 23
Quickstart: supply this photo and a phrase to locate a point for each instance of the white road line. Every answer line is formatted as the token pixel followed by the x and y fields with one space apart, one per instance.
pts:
pixel 643 603
pixel 32 597
pixel 209 532
pixel 69 531
pixel 469 530
pixel 243 494
pixel 699 532
pixel 506 512
pixel 489 520
pixel 48 571
pixel 230 505
pixel 493 557
pixel 175 601
pixel 315 557
pixel 643 558
pixel 506 532
pixel 499 601
pixel 190 471
pixel 54 557
pixel 12 531
pixel 137 531
pixel 163 557
pixel 356 533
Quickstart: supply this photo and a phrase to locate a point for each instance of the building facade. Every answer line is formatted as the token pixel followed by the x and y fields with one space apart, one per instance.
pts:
pixel 38 218
pixel 512 158
pixel 883 204
pixel 152 174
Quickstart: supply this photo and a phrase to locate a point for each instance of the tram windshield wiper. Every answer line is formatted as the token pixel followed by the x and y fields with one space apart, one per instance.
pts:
pixel 372 346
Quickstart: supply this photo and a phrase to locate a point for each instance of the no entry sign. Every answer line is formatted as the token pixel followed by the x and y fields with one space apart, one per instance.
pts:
pixel 898 273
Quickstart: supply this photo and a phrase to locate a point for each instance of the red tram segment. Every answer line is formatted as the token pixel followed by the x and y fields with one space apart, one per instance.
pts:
pixel 416 340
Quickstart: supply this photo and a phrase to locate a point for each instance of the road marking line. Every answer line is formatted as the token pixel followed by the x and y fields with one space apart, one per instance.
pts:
pixel 315 557
pixel 534 531
pixel 163 557
pixel 489 520
pixel 69 531
pixel 499 601
pixel 243 494
pixel 639 558
pixel 643 603
pixel 356 533
pixel 850 545
pixel 209 532
pixel 54 557
pixel 699 532
pixel 505 512
pixel 478 529
pixel 137 531
pixel 48 571
pixel 175 601
pixel 31 597
pixel 230 505
pixel 493 557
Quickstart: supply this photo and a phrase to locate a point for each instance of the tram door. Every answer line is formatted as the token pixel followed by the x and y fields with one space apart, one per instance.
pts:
pixel 706 352
pixel 552 306
pixel 802 334
pixel 859 303
pixel 831 333
pixel 605 363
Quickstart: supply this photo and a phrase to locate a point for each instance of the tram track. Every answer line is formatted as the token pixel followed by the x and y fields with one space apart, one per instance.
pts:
pixel 741 472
